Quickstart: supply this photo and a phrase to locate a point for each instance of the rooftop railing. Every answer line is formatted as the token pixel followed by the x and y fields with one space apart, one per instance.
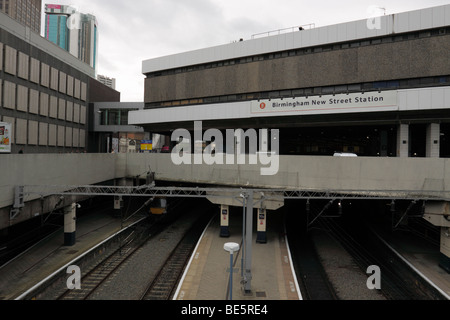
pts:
pixel 286 30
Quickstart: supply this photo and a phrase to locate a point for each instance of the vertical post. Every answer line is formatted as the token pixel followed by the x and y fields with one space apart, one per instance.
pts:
pixel 403 141
pixel 248 244
pixel 444 259
pixel 231 275
pixel 244 205
pixel 383 143
pixel 231 247
pixel 70 225
pixel 438 214
pixel 433 140
pixel 224 221
pixel 308 211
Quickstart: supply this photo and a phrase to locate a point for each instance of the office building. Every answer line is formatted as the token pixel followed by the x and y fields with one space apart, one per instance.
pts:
pixel 73 31
pixel 45 92
pixel 110 82
pixel 27 12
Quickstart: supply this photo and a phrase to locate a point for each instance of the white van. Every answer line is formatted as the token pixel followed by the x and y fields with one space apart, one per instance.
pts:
pixel 344 154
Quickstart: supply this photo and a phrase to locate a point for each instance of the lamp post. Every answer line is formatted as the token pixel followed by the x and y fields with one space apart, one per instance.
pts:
pixel 231 247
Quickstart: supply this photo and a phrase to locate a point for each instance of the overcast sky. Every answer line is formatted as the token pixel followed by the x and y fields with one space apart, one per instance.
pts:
pixel 131 31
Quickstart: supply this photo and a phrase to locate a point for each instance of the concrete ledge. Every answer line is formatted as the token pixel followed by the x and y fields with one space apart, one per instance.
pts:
pixel 295 172
pixel 304 172
pixel 53 169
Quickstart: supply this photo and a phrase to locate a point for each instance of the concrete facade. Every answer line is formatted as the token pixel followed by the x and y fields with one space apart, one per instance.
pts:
pixel 417 58
pixel 27 12
pixel 348 87
pixel 40 90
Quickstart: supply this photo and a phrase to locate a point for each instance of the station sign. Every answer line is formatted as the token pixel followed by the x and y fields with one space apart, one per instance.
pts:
pixel 339 103
pixel 5 137
pixel 146 145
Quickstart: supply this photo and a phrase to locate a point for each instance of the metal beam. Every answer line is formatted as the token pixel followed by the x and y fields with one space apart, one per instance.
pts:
pixel 269 194
pixel 274 195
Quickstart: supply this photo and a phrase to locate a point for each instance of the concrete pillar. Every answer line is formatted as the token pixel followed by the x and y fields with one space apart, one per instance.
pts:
pixel 444 260
pixel 433 140
pixel 224 221
pixel 70 213
pixel 118 202
pixel 438 214
pixel 403 141
pixel 261 236
pixel 383 143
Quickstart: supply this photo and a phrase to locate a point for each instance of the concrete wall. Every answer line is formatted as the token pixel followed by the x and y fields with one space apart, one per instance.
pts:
pixel 295 172
pixel 48 169
pixel 298 172
pixel 52 169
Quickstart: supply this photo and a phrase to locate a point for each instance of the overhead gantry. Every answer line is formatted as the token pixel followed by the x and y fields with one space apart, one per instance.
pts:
pixel 436 207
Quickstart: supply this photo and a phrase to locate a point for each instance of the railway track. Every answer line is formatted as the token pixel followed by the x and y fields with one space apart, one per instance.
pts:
pixel 165 282
pixel 311 275
pixel 313 279
pixel 398 282
pixel 107 267
pixel 136 243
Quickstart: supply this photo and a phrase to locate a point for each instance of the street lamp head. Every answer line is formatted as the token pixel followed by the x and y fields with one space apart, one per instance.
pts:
pixel 231 247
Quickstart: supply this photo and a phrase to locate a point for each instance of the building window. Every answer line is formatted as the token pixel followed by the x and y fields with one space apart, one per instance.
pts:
pixel 114 117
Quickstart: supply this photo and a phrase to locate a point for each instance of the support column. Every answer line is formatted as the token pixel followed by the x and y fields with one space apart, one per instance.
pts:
pixel 433 140
pixel 438 214
pixel 383 143
pixel 403 141
pixel 262 219
pixel 118 202
pixel 70 213
pixel 224 221
pixel 444 260
pixel 248 244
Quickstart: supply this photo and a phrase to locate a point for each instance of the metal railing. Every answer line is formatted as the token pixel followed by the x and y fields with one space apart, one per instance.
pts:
pixel 285 30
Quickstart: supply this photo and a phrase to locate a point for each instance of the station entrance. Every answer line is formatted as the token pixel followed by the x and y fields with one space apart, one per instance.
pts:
pixel 363 140
pixel 370 141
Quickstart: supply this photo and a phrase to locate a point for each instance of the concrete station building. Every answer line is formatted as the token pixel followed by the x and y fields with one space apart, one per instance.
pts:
pixel 377 87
